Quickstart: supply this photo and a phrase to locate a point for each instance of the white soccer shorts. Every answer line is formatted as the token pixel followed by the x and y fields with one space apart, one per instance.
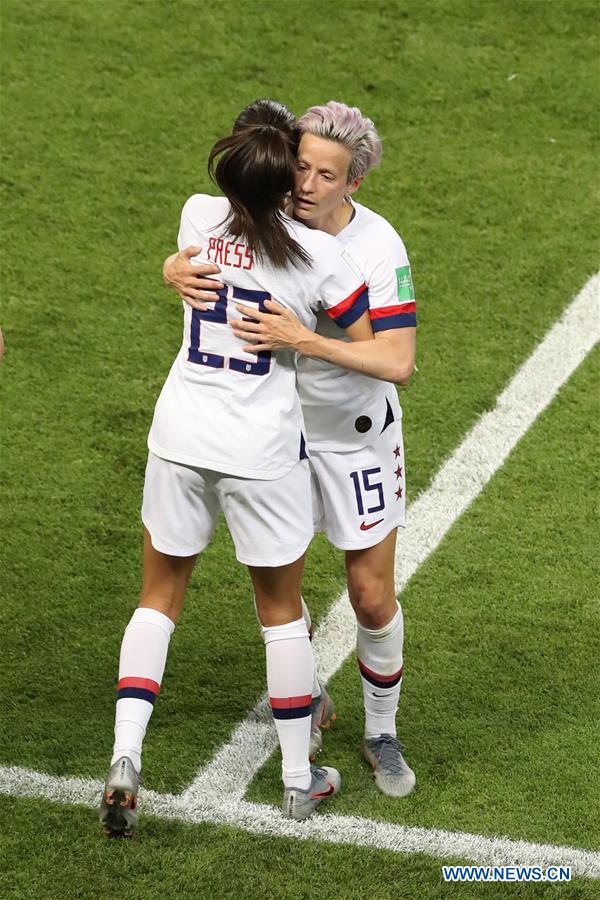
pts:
pixel 270 521
pixel 358 497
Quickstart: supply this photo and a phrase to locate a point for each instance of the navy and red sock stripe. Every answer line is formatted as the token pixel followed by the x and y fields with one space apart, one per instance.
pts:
pixel 380 681
pixel 291 707
pixel 138 688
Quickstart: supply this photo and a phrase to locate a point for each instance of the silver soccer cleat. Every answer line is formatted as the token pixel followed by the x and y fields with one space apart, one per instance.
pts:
pixel 299 804
pixel 118 807
pixel 322 715
pixel 393 775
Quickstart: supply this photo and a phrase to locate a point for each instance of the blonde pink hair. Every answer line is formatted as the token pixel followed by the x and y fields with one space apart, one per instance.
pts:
pixel 346 125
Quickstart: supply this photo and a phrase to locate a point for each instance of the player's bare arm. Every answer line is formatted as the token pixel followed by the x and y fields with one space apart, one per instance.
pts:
pixel 388 355
pixel 191 280
pixel 281 329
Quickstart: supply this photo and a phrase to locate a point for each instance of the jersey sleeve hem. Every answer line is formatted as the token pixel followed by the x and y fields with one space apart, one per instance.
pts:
pixel 349 310
pixel 403 315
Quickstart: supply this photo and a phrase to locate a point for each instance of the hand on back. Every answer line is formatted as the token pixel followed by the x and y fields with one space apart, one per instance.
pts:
pixel 191 280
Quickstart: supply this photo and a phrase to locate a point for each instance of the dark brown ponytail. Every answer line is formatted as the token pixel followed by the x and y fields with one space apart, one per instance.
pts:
pixel 254 167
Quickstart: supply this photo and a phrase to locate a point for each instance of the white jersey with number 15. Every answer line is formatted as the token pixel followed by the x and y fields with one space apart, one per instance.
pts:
pixel 335 400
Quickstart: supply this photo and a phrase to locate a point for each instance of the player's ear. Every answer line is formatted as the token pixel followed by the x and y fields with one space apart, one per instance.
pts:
pixel 354 185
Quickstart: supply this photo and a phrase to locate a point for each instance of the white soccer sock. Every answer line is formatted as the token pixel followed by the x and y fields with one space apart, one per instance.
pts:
pixel 290 668
pixel 141 666
pixel 379 653
pixel 316 688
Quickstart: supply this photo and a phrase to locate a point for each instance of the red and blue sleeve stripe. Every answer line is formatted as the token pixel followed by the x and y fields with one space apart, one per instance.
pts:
pixel 291 707
pixel 404 315
pixel 350 309
pixel 138 688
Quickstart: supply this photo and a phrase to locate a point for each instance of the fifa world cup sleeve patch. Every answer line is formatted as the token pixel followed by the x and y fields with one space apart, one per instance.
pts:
pixel 404 283
pixel 403 314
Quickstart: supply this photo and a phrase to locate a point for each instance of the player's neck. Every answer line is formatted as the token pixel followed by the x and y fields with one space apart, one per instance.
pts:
pixel 336 220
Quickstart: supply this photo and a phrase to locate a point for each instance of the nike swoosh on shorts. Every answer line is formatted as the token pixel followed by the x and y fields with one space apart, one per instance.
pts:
pixel 365 527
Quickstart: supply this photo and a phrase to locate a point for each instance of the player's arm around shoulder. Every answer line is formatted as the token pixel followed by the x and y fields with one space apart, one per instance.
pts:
pixel 398 345
pixel 372 351
pixel 190 280
pixel 392 305
pixel 382 330
pixel 387 354
pixel 341 292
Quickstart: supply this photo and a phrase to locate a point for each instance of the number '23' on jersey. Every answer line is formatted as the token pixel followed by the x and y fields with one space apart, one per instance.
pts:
pixel 203 355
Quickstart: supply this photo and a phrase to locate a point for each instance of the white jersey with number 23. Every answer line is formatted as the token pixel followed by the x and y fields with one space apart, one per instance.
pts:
pixel 235 412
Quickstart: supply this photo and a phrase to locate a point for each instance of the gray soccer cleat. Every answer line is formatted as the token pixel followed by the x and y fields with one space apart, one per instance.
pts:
pixel 118 807
pixel 392 774
pixel 299 804
pixel 322 715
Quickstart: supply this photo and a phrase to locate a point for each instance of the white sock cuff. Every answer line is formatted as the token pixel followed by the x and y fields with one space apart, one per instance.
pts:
pixel 291 631
pixel 388 631
pixel 146 616
pixel 305 613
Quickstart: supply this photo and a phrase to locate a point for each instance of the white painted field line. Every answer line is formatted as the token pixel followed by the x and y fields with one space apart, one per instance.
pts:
pixel 20 782
pixel 353 830
pixel 457 484
pixel 257 818
pixel 215 795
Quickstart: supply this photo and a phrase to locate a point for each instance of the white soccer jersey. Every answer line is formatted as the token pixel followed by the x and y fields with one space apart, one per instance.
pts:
pixel 235 412
pixel 345 410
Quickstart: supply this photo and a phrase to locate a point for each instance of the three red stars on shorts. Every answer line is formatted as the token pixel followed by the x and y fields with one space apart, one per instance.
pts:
pixel 398 472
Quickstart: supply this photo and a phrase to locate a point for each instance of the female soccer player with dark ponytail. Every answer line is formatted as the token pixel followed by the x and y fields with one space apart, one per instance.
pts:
pixel 227 435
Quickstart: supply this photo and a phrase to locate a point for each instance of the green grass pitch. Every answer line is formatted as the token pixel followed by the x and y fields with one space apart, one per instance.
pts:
pixel 109 109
